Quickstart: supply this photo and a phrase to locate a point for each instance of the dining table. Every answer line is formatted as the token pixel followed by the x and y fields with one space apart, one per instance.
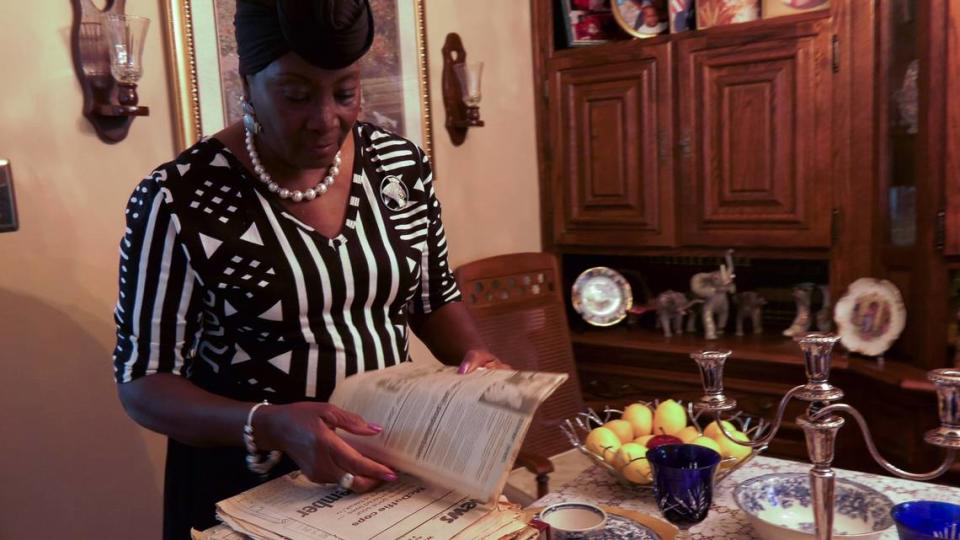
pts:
pixel 725 520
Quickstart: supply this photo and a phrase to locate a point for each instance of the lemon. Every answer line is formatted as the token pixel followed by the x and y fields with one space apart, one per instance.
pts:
pixel 622 428
pixel 708 443
pixel 627 453
pixel 637 471
pixel 642 441
pixel 688 434
pixel 732 449
pixel 713 430
pixel 640 417
pixel 669 418
pixel 603 442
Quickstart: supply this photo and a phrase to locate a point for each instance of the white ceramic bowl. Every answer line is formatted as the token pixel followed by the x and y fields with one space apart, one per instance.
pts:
pixel 780 507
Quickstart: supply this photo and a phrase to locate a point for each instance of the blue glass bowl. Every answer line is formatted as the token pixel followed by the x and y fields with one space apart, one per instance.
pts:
pixel 923 520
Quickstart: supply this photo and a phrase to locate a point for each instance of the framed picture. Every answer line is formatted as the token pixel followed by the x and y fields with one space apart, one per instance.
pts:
pixel 589 22
pixel 712 13
pixel 778 8
pixel 642 18
pixel 8 204
pixel 207 85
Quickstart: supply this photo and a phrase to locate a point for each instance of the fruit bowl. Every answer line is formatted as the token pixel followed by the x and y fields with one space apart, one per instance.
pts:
pixel 674 422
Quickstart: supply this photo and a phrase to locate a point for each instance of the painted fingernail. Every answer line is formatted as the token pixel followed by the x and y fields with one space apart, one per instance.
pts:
pixel 376 427
pixel 463 369
pixel 390 477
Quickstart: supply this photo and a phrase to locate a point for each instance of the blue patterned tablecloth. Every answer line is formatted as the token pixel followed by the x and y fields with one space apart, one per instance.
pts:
pixel 726 521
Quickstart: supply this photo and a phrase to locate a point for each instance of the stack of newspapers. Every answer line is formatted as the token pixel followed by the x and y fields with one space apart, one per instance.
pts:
pixel 455 438
pixel 291 507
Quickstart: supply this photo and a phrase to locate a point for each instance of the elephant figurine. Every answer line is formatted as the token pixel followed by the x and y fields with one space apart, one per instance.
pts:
pixel 750 305
pixel 802 294
pixel 671 308
pixel 713 288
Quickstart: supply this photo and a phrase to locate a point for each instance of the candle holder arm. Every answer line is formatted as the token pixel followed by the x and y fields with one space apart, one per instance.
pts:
pixel 774 426
pixel 950 457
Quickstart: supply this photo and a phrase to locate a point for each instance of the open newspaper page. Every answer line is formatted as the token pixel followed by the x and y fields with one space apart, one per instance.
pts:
pixel 461 432
pixel 292 507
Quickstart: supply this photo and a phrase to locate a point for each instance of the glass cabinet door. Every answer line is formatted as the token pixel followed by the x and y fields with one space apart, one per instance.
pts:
pixel 899 58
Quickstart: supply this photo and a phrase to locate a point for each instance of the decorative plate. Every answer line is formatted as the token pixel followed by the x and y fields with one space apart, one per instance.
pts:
pixel 601 296
pixel 780 507
pixel 870 316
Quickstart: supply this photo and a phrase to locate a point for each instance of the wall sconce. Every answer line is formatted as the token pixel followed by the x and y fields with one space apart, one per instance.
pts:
pixel 107 56
pixel 8 203
pixel 461 89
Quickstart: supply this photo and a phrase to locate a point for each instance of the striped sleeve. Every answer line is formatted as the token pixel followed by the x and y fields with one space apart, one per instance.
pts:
pixel 159 306
pixel 437 285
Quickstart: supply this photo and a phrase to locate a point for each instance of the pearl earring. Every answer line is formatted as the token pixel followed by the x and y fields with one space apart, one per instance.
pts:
pixel 249 116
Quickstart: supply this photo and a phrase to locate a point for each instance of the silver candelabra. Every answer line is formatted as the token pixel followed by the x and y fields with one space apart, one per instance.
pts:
pixel 820 424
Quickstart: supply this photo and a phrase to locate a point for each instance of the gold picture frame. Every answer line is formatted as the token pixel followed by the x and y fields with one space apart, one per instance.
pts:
pixel 204 82
pixel 629 14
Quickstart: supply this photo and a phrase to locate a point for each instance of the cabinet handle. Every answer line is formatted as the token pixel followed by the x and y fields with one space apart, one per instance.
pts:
pixel 684 144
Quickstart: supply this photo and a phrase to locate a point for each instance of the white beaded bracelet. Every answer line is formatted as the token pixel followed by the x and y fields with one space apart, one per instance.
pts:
pixel 257 462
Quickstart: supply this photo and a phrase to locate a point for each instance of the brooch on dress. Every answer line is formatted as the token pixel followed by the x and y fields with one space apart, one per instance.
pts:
pixel 394 193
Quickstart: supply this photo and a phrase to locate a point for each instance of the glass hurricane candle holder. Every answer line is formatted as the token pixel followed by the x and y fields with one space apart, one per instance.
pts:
pixel 125 36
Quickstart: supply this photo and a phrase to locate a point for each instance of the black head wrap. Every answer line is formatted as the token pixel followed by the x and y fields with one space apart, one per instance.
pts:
pixel 330 34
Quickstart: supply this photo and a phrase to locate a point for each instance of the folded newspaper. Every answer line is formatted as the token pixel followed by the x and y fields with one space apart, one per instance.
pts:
pixel 455 438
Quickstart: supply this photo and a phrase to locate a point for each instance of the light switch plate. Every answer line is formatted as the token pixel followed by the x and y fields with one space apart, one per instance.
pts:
pixel 8 204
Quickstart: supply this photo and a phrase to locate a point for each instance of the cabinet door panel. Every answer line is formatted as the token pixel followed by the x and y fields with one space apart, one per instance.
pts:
pixel 613 168
pixel 754 140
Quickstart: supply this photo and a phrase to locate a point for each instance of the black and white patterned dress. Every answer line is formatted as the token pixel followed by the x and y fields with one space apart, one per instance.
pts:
pixel 218 283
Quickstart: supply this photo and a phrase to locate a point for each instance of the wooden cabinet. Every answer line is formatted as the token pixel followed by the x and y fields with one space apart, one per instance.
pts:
pixel 754 137
pixel 823 146
pixel 752 103
pixel 611 124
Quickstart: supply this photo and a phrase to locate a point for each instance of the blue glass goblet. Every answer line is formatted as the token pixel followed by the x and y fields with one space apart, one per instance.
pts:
pixel 683 476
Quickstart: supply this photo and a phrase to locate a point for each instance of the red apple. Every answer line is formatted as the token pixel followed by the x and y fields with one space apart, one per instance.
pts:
pixel 661 440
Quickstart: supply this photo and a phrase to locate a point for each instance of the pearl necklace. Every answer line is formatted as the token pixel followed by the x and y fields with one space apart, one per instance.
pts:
pixel 294 195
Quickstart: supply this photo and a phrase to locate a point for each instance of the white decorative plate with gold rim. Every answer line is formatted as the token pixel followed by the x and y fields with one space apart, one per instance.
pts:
pixel 870 316
pixel 601 296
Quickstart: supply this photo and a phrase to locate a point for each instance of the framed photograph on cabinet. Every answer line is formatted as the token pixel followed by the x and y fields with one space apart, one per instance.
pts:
pixel 683 15
pixel 588 22
pixel 8 204
pixel 642 18
pixel 779 8
pixel 712 13
pixel 207 85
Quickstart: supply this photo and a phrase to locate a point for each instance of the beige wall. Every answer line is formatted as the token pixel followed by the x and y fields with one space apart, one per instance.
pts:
pixel 488 185
pixel 73 463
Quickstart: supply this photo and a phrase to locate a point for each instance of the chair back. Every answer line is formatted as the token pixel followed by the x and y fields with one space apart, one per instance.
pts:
pixel 518 306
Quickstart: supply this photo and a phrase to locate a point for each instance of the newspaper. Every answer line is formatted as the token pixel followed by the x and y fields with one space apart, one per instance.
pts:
pixel 293 507
pixel 460 432
pixel 457 434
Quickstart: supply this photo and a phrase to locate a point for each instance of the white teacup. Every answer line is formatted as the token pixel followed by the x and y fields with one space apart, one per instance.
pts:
pixel 574 520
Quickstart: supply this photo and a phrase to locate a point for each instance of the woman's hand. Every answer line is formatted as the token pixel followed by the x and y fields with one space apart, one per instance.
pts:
pixel 305 431
pixel 476 359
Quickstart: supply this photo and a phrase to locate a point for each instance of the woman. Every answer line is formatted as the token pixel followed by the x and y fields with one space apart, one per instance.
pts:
pixel 274 259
